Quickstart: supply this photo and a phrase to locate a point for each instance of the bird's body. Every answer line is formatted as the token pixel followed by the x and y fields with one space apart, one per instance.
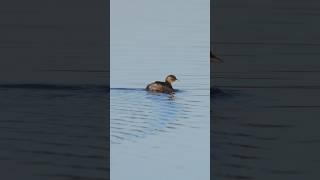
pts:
pixel 159 86
pixel 163 87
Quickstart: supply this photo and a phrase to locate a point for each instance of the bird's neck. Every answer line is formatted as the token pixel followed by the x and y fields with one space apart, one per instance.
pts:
pixel 168 82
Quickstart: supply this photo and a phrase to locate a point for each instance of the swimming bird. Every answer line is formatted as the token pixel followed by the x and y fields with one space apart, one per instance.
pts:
pixel 163 87
pixel 214 58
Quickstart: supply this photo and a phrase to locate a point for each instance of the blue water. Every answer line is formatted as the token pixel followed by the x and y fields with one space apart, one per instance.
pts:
pixel 160 136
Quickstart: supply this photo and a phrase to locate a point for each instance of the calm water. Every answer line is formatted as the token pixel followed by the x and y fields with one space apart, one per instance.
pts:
pixel 53 94
pixel 159 136
pixel 49 132
pixel 266 125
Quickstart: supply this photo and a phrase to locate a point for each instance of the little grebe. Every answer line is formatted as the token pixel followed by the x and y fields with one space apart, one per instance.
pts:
pixel 164 87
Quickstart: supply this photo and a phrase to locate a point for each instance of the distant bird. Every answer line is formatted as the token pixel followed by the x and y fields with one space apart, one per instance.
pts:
pixel 163 87
pixel 214 58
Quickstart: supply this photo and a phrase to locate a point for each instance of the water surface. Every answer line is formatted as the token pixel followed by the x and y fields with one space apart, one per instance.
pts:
pixel 50 132
pixel 53 93
pixel 159 136
pixel 265 126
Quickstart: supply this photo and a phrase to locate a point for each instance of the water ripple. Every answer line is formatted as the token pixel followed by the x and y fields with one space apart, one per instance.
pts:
pixel 137 114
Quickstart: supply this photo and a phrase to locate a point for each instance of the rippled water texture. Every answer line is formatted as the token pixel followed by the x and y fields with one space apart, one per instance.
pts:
pixel 266 125
pixel 159 136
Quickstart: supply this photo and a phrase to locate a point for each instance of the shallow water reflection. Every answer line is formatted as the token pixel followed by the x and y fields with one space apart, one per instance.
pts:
pixel 159 131
pixel 138 113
